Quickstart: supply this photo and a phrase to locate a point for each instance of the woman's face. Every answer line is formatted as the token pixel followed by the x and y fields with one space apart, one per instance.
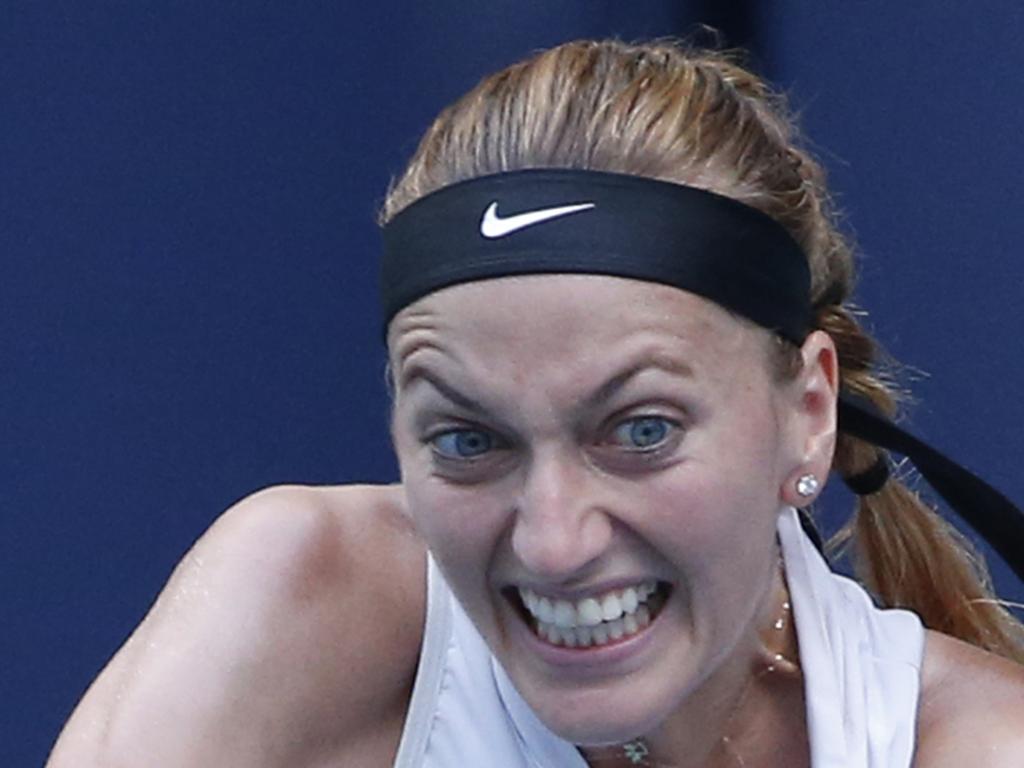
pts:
pixel 596 465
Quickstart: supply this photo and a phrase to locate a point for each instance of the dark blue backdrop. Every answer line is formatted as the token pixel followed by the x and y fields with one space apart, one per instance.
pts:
pixel 187 193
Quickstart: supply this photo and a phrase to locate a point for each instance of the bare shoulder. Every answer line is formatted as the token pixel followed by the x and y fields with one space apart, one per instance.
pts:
pixel 289 634
pixel 972 707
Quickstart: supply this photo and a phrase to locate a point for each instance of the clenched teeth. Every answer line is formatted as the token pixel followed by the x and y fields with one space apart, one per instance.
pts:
pixel 602 634
pixel 590 612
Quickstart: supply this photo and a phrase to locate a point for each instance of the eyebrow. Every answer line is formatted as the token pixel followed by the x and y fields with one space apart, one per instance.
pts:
pixel 616 383
pixel 419 372
pixel 603 393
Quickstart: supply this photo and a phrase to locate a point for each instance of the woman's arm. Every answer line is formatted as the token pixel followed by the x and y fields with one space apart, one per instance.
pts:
pixel 972 708
pixel 288 636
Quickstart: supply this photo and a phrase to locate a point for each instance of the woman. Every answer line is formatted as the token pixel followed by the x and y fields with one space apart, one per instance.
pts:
pixel 617 334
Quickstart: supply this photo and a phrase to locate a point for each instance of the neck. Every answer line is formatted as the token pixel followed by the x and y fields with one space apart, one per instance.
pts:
pixel 750 708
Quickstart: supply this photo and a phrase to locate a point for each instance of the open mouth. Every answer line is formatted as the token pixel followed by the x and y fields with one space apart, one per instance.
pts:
pixel 593 621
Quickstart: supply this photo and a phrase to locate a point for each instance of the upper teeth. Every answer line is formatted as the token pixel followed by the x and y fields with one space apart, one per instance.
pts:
pixel 590 611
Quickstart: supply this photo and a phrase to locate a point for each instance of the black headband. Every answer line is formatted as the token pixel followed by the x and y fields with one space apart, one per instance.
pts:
pixel 570 221
pixel 589 222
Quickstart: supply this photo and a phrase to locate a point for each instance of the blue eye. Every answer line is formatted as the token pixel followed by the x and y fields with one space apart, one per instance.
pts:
pixel 462 443
pixel 643 433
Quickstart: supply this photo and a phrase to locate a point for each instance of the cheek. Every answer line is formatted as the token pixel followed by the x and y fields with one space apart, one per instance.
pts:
pixel 714 515
pixel 424 496
pixel 460 525
pixel 706 519
pixel 462 528
pixel 725 487
pixel 719 537
pixel 458 522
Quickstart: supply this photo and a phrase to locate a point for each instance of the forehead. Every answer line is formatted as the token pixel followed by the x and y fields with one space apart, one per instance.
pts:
pixel 520 326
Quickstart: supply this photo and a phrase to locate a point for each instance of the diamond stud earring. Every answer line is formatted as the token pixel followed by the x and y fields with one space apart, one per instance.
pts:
pixel 807 485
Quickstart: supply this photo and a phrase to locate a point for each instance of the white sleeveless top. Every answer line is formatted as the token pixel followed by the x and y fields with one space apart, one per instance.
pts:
pixel 861 668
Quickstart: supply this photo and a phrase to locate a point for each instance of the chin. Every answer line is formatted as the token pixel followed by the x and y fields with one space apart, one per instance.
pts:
pixel 613 712
pixel 601 723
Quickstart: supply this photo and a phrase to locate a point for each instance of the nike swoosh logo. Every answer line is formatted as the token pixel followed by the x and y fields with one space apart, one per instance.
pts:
pixel 494 226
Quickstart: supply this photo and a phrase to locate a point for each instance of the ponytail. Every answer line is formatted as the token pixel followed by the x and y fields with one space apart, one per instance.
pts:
pixel 903 551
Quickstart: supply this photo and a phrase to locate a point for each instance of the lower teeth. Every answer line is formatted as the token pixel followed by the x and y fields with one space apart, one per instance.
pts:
pixel 602 634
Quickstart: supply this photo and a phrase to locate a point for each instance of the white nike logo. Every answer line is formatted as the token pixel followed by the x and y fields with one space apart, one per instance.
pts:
pixel 493 226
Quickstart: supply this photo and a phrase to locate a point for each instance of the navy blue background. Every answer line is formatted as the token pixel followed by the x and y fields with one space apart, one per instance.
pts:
pixel 188 253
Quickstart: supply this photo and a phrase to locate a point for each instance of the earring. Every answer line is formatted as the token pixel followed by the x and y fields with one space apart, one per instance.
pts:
pixel 807 485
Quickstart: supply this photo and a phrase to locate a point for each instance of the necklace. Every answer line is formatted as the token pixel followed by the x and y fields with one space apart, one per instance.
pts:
pixel 637 752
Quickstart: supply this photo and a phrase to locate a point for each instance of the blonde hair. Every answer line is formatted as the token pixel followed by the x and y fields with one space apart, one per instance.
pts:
pixel 697 117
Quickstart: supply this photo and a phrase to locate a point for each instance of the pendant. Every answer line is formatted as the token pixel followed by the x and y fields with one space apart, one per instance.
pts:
pixel 636 751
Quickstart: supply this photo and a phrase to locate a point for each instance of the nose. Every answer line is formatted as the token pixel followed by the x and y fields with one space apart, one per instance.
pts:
pixel 560 525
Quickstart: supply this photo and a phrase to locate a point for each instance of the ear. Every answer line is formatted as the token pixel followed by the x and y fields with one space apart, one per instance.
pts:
pixel 812 402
